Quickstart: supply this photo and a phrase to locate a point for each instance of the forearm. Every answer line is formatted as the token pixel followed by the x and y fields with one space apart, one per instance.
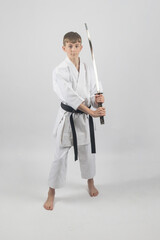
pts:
pixel 85 109
pixel 97 113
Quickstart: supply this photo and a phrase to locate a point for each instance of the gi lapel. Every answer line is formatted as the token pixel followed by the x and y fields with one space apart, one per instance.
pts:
pixel 73 69
pixel 80 84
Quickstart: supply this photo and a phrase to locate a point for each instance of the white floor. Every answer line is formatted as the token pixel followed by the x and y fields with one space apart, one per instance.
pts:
pixel 127 208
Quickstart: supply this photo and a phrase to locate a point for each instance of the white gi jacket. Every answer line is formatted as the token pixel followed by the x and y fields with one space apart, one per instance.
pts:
pixel 73 88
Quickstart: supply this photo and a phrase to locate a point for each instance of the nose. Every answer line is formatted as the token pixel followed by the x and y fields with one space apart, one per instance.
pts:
pixel 73 49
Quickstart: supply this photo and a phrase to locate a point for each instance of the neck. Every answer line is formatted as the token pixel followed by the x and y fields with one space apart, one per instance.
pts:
pixel 75 61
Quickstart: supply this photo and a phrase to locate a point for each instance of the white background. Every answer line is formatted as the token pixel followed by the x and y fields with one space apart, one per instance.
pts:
pixel 125 37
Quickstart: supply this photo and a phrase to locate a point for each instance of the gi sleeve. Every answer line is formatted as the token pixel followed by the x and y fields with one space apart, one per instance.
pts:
pixel 63 88
pixel 93 88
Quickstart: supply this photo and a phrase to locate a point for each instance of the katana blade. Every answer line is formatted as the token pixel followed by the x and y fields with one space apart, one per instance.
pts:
pixel 93 59
pixel 95 71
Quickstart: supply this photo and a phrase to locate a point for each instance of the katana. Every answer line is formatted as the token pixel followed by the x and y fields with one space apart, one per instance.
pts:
pixel 95 70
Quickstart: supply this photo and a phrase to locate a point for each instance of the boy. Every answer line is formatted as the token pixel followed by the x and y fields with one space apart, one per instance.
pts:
pixel 74 84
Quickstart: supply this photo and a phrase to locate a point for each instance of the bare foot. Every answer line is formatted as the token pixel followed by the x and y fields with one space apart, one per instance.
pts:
pixel 92 190
pixel 48 205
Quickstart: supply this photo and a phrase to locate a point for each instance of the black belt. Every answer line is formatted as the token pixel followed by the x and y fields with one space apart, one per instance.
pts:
pixel 91 127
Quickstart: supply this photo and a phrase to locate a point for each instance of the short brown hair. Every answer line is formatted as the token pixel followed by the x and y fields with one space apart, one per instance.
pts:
pixel 72 37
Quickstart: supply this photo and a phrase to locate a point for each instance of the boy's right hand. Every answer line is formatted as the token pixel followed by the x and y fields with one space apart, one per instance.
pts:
pixel 99 112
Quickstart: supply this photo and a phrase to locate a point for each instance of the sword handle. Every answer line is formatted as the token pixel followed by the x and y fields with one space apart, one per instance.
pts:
pixel 100 105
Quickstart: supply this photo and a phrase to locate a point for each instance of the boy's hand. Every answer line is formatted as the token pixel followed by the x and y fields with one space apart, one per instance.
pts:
pixel 99 98
pixel 99 112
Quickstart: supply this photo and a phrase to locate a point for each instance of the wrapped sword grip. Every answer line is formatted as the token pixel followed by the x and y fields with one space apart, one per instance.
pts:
pixel 100 105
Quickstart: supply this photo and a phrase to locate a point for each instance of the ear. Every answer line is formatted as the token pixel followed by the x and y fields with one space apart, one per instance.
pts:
pixel 64 49
pixel 81 47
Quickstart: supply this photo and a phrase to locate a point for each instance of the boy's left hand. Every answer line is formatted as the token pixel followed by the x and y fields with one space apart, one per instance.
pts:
pixel 99 98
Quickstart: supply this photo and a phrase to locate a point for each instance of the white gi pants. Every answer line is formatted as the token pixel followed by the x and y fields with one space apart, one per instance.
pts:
pixel 58 171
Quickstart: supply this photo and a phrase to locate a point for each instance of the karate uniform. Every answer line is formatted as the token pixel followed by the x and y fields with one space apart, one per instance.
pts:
pixel 72 88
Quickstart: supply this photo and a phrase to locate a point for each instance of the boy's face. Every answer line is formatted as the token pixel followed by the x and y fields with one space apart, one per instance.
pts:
pixel 72 49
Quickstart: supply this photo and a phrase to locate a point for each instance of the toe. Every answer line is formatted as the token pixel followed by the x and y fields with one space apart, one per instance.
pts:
pixel 95 193
pixel 45 206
